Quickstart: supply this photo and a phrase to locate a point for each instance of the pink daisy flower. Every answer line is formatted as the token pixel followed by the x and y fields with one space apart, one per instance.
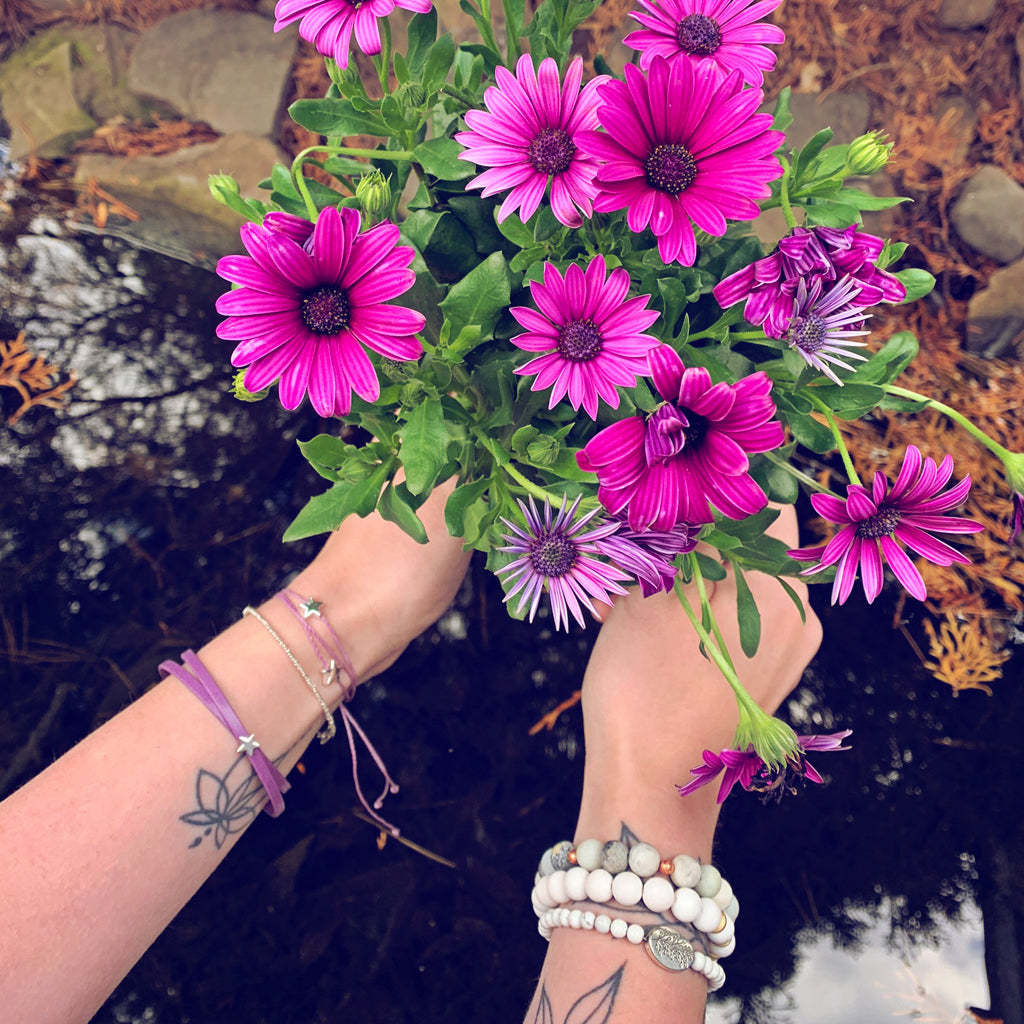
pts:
pixel 312 300
pixel 769 286
pixel 724 35
pixel 690 453
pixel 528 136
pixel 329 24
pixel 748 769
pixel 681 146
pixel 555 554
pixel 648 554
pixel 590 333
pixel 873 523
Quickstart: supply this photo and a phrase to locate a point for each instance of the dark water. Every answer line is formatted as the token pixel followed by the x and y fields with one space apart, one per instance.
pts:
pixel 145 516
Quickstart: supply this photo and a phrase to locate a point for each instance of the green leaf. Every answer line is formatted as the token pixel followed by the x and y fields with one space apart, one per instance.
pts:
pixel 918 282
pixel 440 157
pixel 809 432
pixel 888 362
pixel 862 200
pixel 458 504
pixel 805 158
pixel 832 215
pixel 747 614
pixel 396 506
pixel 710 568
pixel 422 33
pixel 783 117
pixel 518 233
pixel 851 401
pixel 718 539
pixel 326 512
pixel 752 528
pixel 424 450
pixel 447 247
pixel 438 63
pixel 480 296
pixel 794 597
pixel 336 117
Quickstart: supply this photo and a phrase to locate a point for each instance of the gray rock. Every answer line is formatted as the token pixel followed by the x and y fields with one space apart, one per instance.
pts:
pixel 170 193
pixel 966 13
pixel 995 316
pixel 961 119
pixel 101 55
pixel 989 214
pixel 227 68
pixel 37 90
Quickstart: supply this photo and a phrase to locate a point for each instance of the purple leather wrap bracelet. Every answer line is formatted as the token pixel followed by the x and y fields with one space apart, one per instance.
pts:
pixel 193 674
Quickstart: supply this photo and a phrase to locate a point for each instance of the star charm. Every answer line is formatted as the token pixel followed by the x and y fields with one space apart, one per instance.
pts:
pixel 311 607
pixel 247 744
pixel 330 673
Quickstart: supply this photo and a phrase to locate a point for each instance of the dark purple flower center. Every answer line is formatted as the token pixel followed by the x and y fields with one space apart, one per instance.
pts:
pixel 671 168
pixel 881 524
pixel 699 34
pixel 551 151
pixel 579 341
pixel 670 430
pixel 325 309
pixel 553 554
pixel 809 333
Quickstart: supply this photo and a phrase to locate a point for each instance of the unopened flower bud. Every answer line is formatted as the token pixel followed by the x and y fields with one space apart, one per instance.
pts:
pixel 373 193
pixel 410 96
pixel 396 372
pixel 868 153
pixel 221 186
pixel 340 77
pixel 412 393
pixel 242 393
pixel 543 450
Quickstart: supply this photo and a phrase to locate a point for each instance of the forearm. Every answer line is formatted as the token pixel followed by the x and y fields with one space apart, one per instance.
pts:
pixel 105 847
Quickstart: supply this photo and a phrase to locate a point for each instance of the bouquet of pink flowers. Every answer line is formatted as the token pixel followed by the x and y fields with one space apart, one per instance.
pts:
pixel 549 289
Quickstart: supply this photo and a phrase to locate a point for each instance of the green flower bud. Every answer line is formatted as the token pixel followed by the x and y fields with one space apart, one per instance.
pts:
pixel 222 186
pixel 374 193
pixel 868 153
pixel 410 96
pixel 242 393
pixel 543 450
pixel 412 393
pixel 396 372
pixel 341 77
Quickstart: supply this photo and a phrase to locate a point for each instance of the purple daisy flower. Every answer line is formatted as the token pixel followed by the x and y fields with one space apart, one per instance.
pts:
pixel 329 24
pixel 648 554
pixel 690 453
pixel 555 555
pixel 768 286
pixel 590 333
pixel 873 522
pixel 820 327
pixel 680 145
pixel 528 135
pixel 752 773
pixel 1018 515
pixel 312 300
pixel 724 35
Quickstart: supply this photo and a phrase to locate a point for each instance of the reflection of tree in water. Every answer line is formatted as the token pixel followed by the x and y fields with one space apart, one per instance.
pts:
pixel 919 818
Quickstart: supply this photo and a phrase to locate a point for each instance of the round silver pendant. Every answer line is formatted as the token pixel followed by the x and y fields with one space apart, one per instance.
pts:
pixel 669 949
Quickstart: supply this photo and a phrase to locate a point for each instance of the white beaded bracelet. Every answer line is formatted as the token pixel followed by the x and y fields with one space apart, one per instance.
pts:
pixel 664 945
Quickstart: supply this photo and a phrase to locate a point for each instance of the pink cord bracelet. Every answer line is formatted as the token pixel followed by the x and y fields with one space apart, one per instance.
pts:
pixel 202 684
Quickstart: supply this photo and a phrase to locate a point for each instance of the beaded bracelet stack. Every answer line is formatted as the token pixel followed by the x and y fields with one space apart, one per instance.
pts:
pixel 694 894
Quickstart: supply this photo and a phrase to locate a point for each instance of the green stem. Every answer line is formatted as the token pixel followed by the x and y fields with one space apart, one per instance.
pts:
pixel 463 97
pixel 501 459
pixel 383 59
pixel 787 210
pixel 957 417
pixel 840 443
pixel 797 474
pixel 705 604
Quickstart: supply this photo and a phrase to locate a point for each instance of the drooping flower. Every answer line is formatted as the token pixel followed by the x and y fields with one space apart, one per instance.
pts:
pixel 591 335
pixel 312 300
pixel 1013 467
pixel 330 24
pixel 878 522
pixel 824 323
pixel 680 146
pixel 648 554
pixel 528 136
pixel 1018 514
pixel 748 769
pixel 690 453
pixel 725 35
pixel 769 285
pixel 555 553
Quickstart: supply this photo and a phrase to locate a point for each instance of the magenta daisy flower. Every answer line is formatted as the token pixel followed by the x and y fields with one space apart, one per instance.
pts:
pixel 528 136
pixel 681 146
pixel 874 522
pixel 648 554
pixel 590 333
pixel 690 453
pixel 820 327
pixel 1018 515
pixel 724 35
pixel 769 286
pixel 555 554
pixel 312 300
pixel 330 24
pixel 747 768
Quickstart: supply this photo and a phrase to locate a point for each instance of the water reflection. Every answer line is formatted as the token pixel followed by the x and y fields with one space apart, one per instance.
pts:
pixel 141 519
